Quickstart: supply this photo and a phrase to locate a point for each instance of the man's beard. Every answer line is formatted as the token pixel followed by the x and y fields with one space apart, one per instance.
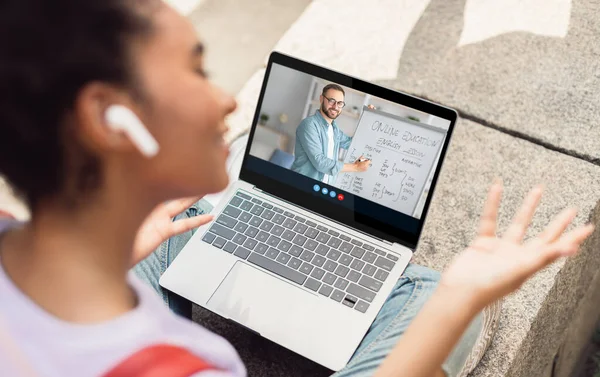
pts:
pixel 328 112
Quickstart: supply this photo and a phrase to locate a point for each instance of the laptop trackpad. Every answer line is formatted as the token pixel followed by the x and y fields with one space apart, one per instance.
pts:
pixel 265 303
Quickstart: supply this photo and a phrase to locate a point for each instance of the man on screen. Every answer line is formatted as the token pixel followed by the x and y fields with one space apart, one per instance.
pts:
pixel 319 139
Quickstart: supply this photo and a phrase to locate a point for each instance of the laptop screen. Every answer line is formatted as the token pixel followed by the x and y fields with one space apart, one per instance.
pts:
pixel 346 149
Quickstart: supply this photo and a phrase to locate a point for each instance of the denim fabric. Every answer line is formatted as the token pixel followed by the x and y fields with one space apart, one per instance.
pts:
pixel 311 148
pixel 409 295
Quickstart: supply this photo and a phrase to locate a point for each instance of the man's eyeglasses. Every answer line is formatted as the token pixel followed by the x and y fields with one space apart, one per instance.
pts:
pixel 332 101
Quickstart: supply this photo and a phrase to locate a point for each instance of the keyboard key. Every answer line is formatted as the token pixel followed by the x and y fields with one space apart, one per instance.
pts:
pixel 356 243
pixel 347 247
pixel 341 283
pixel 222 231
pixel 277 268
pixel 230 247
pixel 299 240
pixel 345 238
pixel 268 215
pixel 277 230
pixel 357 264
pixel 384 263
pixel 368 247
pixel 236 201
pixel 273 241
pixel 226 221
pixel 288 235
pixel 262 236
pixel 311 233
pixel 278 219
pixel 272 253
pixel 357 252
pixel 392 257
pixel 255 221
pixel 254 200
pixel 322 249
pixel 232 211
pixel 261 248
pixel 239 238
pixel 369 257
pixel 277 210
pixel 310 223
pixel 360 292
pixel 288 214
pixel 299 219
pixel 300 228
pixel 361 306
pixel 322 228
pixel 284 246
pixel 325 290
pixel 323 237
pixel 283 258
pixel 349 301
pixel 312 284
pixel 219 242
pixel 311 245
pixel 370 283
pixel 209 237
pixel 306 268
pixel 380 252
pixel 245 217
pixel 329 278
pixel 333 233
pixel 242 252
pixel 246 206
pixel 317 273
pixel 354 276
pixel 295 250
pixel 334 242
pixel 267 205
pixel 333 254
pixel 342 271
pixel 330 266
pixel 240 227
pixel 295 263
pixel 250 244
pixel 257 210
pixel 345 260
pixel 251 232
pixel 369 270
pixel 307 256
pixel 245 196
pixel 337 295
pixel 318 261
pixel 289 223
pixel 266 226
pixel 381 275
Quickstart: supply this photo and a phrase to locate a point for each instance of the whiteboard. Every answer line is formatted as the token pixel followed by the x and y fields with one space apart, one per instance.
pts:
pixel 402 154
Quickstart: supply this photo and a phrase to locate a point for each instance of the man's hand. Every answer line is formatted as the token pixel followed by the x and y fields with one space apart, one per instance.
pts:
pixel 362 164
pixel 159 226
pixel 492 266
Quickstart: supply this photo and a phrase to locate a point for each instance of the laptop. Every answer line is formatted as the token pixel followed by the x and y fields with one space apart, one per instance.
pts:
pixel 307 259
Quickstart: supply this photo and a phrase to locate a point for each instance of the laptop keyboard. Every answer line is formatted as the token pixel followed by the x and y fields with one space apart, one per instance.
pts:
pixel 319 258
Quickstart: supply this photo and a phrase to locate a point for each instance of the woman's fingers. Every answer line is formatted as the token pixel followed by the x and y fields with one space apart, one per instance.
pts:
pixel 183 225
pixel 569 243
pixel 516 231
pixel 487 225
pixel 557 226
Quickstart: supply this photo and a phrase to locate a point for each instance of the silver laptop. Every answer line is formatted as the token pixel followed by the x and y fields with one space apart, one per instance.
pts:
pixel 307 245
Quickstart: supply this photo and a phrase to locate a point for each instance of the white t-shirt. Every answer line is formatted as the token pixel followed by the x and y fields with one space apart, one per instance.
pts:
pixel 39 344
pixel 330 145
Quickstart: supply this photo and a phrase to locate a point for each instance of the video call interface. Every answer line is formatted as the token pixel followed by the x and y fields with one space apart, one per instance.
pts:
pixel 348 142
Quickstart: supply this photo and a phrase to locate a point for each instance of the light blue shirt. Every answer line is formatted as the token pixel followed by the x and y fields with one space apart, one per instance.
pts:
pixel 311 148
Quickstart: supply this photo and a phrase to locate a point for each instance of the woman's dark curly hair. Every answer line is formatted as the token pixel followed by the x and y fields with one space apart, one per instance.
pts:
pixel 49 50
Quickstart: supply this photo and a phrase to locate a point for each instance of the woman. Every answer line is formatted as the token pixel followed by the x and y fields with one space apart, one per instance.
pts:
pixel 67 302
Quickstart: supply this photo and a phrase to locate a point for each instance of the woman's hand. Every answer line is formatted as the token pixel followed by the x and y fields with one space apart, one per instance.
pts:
pixel 492 267
pixel 159 226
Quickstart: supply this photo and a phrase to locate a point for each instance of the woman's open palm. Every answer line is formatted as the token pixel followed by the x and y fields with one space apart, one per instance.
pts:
pixel 495 266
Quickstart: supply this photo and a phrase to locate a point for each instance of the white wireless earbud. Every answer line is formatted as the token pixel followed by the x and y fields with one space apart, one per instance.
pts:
pixel 123 119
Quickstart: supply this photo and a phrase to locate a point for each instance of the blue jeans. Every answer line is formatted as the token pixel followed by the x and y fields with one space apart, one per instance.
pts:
pixel 409 295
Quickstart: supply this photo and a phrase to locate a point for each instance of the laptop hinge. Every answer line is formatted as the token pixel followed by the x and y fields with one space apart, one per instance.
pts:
pixel 330 219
